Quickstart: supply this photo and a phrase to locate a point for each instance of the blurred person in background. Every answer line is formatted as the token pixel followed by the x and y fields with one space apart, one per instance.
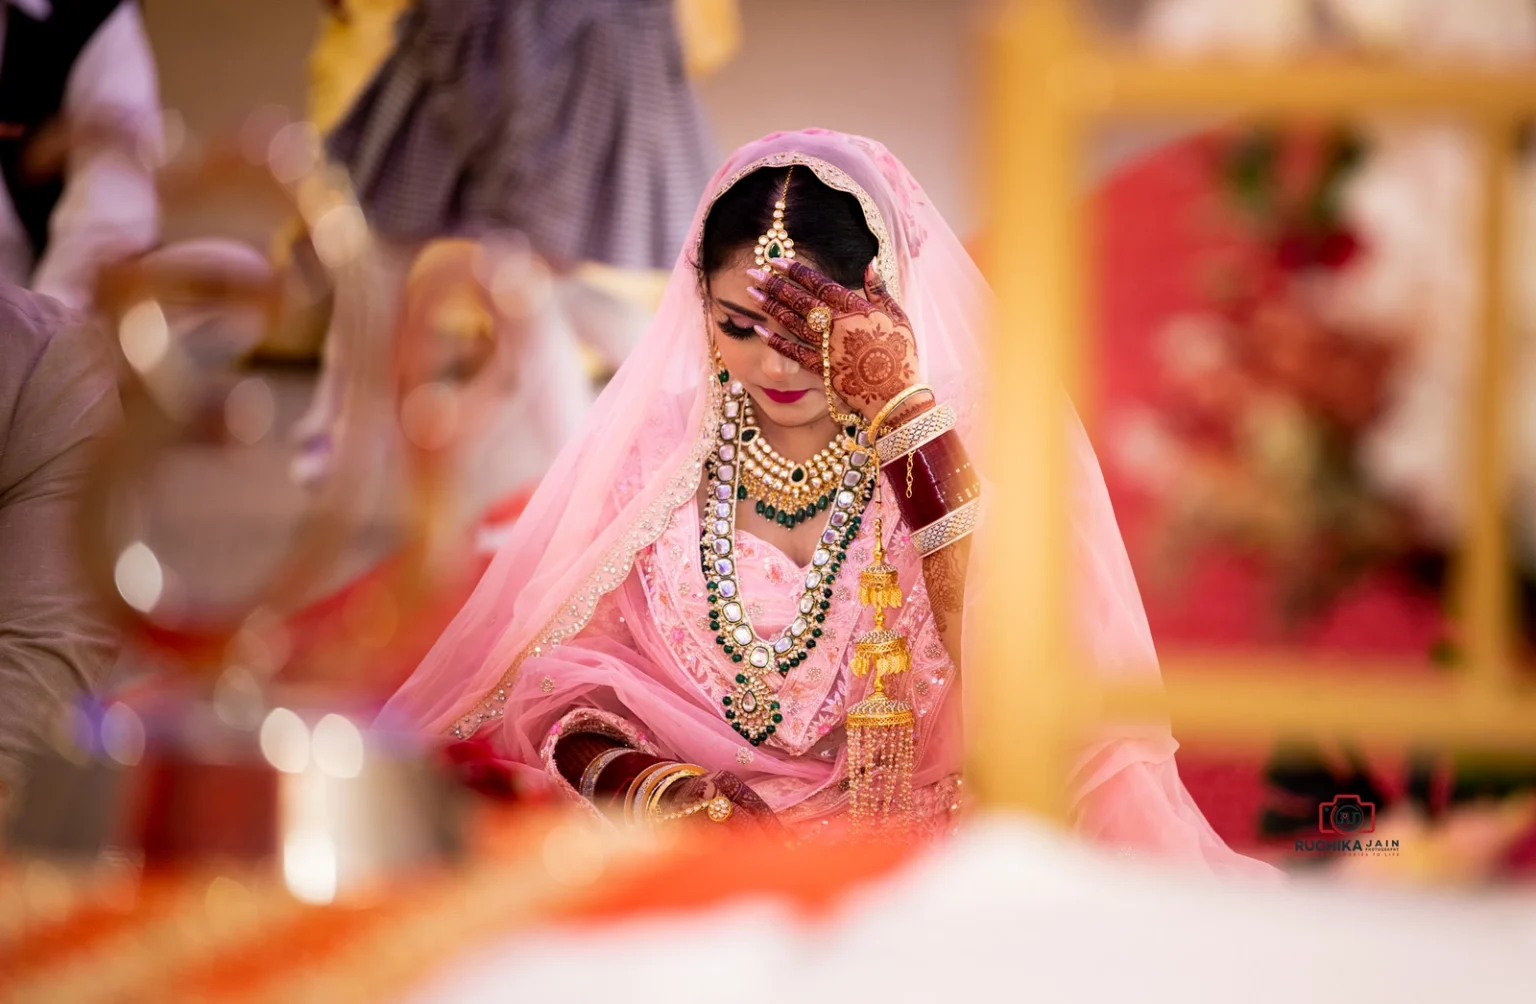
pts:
pixel 572 125
pixel 79 122
pixel 669 628
pixel 58 402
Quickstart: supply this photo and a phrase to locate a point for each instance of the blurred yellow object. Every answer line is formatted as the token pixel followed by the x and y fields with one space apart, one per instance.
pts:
pixel 446 256
pixel 293 262
pixel 353 43
pixel 710 31
pixel 443 289
pixel 592 361
pixel 280 250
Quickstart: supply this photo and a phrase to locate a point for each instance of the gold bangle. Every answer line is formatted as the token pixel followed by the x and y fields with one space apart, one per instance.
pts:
pixel 595 768
pixel 653 802
pixel 901 398
pixel 908 438
pixel 640 788
pixel 719 808
pixel 947 529
pixel 640 784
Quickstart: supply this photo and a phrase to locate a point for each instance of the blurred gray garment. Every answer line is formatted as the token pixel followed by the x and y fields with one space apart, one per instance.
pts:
pixel 572 121
pixel 58 402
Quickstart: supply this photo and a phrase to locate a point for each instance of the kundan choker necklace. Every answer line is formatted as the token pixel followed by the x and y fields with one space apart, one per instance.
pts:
pixel 750 707
pixel 787 492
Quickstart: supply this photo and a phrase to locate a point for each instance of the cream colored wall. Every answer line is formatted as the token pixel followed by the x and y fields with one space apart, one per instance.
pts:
pixel 218 59
pixel 900 71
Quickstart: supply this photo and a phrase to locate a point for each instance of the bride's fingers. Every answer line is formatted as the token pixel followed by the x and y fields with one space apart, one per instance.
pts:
pixel 752 813
pixel 791 295
pixel 794 351
pixel 838 297
pixel 874 283
pixel 781 312
pixel 688 791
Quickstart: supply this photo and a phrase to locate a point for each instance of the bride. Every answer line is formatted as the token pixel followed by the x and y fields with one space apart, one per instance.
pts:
pixel 670 629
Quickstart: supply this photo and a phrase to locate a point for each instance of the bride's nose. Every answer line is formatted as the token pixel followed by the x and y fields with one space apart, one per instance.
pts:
pixel 776 366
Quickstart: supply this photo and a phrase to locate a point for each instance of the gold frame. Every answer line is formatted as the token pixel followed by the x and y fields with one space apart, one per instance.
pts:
pixel 1048 82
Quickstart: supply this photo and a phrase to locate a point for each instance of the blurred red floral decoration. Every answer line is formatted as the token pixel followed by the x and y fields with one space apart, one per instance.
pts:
pixel 1254 441
pixel 1267 392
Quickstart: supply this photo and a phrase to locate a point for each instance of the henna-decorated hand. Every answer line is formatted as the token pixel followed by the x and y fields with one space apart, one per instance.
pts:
pixel 752 813
pixel 872 349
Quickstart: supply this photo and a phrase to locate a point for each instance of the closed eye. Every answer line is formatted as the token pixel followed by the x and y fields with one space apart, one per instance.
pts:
pixel 734 330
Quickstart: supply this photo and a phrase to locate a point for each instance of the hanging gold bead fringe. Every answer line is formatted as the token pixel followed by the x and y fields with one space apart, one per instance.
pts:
pixel 880 729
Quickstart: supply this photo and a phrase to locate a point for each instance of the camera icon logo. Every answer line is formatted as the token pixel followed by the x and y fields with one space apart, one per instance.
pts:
pixel 1346 815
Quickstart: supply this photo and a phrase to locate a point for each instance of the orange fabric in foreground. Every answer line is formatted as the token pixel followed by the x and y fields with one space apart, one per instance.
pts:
pixel 705 871
pixel 272 942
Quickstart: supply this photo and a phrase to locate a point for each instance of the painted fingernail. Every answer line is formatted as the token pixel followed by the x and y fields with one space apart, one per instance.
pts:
pixel 759 274
pixel 757 294
pixel 762 332
pixel 782 264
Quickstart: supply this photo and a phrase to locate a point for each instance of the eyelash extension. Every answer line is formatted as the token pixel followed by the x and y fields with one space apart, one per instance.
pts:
pixel 734 331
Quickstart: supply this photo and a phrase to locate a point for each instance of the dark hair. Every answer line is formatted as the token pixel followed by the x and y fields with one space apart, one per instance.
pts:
pixel 826 225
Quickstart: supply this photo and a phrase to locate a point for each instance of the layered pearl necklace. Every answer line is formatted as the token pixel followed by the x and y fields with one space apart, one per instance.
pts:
pixel 789 493
pixel 750 707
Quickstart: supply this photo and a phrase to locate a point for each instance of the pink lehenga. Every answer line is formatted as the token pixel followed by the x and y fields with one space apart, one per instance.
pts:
pixel 594 617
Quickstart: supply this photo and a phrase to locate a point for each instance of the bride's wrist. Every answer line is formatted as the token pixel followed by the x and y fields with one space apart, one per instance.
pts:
pixel 900 407
pixel 910 409
pixel 941 488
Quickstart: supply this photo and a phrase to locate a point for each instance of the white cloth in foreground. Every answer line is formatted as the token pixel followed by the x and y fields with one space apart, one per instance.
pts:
pixel 1010 907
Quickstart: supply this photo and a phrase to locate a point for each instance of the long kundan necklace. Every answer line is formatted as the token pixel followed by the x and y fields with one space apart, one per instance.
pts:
pixel 750 706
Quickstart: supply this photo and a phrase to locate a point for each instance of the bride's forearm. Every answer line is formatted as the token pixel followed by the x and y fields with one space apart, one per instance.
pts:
pixel 936 490
pixel 599 766
pixel 944 576
pixel 576 750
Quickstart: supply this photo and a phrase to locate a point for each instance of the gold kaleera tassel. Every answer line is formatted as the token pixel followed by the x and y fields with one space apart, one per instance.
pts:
pixel 880 729
pixel 878 587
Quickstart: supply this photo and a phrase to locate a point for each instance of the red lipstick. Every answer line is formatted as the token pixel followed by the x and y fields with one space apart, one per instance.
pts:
pixel 784 396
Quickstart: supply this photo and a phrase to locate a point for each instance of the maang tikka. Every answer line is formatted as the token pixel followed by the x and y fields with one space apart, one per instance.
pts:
pixel 775 242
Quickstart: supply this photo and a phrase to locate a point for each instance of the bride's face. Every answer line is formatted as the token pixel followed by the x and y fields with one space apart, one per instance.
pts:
pixel 782 391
